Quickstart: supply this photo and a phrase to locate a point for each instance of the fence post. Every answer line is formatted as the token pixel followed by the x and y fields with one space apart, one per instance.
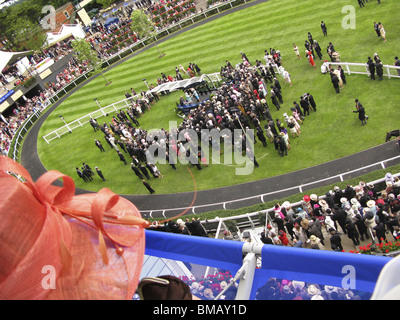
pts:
pixel 388 71
pixel 367 70
pixel 348 69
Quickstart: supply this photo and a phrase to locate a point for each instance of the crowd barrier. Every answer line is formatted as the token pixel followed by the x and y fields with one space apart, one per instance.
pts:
pixel 338 269
pixel 362 68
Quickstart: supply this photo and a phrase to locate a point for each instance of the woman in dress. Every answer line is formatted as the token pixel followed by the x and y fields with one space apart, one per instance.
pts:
pixel 310 59
pixel 382 32
pixel 295 130
pixel 296 51
pixel 286 139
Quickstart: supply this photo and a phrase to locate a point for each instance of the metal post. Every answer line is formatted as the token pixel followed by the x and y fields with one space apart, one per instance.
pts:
pixel 98 103
pixel 62 118
pixel 147 85
pixel 348 69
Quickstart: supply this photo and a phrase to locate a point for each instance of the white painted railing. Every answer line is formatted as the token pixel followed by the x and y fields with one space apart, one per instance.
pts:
pixel 260 197
pixel 362 68
pixel 103 111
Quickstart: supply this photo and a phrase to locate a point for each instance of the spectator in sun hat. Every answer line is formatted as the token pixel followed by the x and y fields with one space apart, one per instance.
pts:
pixel 394 203
pixel 338 194
pixel 355 204
pixel 372 206
pixel 369 220
pixel 349 212
pixel 329 223
pixel 313 199
pixel 324 205
pixel 372 191
pixel 389 187
pixel 289 210
pixel 315 243
pixel 196 288
pixel 300 233
pixel 344 202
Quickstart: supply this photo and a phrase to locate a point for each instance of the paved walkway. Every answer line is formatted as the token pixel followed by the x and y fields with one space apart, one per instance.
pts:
pixel 31 161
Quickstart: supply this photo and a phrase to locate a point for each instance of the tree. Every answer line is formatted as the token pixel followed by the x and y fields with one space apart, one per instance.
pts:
pixel 105 3
pixel 85 53
pixel 28 35
pixel 144 27
pixel 19 24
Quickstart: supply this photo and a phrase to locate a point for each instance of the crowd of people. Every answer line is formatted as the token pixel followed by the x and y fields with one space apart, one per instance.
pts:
pixel 27 106
pixel 56 52
pixel 103 38
pixel 168 12
pixel 360 212
pixel 282 289
pixel 72 70
pixel 10 125
pixel 272 60
pixel 188 227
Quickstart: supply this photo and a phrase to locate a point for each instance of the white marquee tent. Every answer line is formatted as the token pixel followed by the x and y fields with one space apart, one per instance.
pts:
pixel 66 31
pixel 9 58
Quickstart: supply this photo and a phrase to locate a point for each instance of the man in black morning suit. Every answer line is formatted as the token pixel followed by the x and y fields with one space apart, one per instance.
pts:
pixel 137 171
pixel 143 169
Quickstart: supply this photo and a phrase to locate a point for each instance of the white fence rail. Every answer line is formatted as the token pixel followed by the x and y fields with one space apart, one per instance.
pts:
pixel 103 111
pixel 362 68
pixel 260 197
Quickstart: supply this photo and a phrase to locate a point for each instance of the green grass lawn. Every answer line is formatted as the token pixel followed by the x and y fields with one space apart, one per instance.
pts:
pixel 332 132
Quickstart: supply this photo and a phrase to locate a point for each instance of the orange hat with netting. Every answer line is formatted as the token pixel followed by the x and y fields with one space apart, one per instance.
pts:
pixel 58 245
